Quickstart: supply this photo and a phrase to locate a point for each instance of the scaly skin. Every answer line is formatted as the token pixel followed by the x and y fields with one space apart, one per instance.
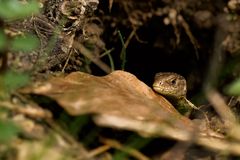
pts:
pixel 174 87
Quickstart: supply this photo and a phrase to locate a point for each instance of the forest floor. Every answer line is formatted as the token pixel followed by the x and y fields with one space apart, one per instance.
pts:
pixel 199 39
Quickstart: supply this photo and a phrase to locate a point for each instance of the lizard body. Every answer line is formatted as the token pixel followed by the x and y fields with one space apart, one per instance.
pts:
pixel 174 87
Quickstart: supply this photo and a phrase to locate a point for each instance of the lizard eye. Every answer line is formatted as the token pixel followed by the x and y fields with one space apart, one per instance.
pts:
pixel 173 82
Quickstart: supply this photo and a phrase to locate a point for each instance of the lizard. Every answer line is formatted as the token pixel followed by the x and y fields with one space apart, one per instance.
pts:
pixel 174 88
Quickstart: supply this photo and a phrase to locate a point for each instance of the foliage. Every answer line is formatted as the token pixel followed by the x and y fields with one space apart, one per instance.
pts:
pixel 234 88
pixel 123 52
pixel 13 9
pixel 25 43
pixel 2 40
pixel 8 131
pixel 13 80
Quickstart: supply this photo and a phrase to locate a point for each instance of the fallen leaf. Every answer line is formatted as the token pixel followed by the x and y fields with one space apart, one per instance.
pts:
pixel 117 100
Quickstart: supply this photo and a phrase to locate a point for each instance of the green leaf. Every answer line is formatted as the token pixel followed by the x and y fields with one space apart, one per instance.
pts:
pixel 26 43
pixel 8 131
pixel 234 88
pixel 14 9
pixel 123 51
pixel 13 80
pixel 2 40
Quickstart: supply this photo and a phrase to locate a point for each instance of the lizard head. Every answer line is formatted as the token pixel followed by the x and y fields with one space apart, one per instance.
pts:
pixel 170 85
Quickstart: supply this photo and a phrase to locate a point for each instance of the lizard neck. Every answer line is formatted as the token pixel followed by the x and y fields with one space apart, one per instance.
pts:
pixel 182 104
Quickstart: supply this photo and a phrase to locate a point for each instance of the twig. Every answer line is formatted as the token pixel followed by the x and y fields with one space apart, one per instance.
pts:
pixel 131 151
pixel 99 150
pixel 211 93
pixel 107 52
pixel 189 33
pixel 221 107
pixel 110 3
pixel 66 63
pixel 90 56
pixel 31 111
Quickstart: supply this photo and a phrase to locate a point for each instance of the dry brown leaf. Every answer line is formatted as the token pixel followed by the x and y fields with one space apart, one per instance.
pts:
pixel 122 101
pixel 117 100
